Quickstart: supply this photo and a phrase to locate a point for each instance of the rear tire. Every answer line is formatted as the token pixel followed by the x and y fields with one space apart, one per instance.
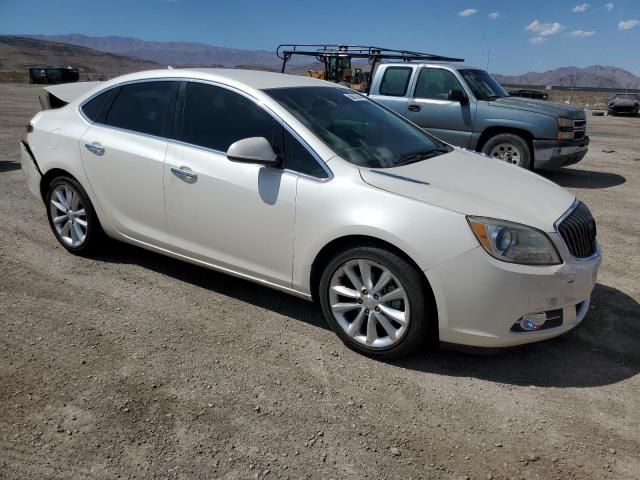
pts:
pixel 72 217
pixel 357 281
pixel 509 148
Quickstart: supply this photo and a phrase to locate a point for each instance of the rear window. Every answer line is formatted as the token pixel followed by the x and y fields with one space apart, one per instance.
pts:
pixel 395 81
pixel 143 107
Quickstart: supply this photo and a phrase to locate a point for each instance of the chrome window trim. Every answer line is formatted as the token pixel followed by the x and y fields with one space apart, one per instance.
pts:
pixel 255 100
pixel 556 229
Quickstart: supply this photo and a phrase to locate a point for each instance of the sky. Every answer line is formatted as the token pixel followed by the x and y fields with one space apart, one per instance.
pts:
pixel 511 36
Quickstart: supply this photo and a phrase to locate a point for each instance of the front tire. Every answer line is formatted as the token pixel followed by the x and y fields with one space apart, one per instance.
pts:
pixel 509 148
pixel 72 217
pixel 375 302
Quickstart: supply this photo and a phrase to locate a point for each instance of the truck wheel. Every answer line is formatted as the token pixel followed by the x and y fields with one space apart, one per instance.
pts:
pixel 510 148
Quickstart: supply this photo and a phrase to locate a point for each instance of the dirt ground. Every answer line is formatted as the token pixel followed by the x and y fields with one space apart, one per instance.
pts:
pixel 132 365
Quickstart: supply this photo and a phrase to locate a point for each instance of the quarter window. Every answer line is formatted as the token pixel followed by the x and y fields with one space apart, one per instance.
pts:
pixel 395 81
pixel 143 107
pixel 436 83
pixel 94 107
pixel 215 117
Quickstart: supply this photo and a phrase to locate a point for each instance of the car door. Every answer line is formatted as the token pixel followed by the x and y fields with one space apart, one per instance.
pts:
pixel 431 108
pixel 236 216
pixel 123 155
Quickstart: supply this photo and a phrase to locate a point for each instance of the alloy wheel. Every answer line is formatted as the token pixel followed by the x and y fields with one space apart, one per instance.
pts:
pixel 369 303
pixel 68 215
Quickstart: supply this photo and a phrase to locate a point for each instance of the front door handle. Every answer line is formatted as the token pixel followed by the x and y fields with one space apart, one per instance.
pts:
pixel 184 174
pixel 414 108
pixel 95 148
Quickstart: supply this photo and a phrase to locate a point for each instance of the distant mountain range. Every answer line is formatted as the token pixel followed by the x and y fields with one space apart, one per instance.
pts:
pixel 123 54
pixel 174 53
pixel 19 53
pixel 596 76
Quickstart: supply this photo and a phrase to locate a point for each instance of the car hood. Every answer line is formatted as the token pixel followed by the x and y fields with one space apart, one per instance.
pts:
pixel 543 107
pixel 472 184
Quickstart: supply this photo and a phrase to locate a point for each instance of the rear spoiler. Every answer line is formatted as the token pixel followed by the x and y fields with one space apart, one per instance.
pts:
pixel 57 96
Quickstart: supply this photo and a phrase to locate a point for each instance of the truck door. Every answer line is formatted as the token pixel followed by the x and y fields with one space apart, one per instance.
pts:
pixel 432 107
pixel 393 88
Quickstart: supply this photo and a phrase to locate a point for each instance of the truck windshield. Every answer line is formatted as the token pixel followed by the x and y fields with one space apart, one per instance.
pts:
pixel 483 85
pixel 357 129
pixel 625 96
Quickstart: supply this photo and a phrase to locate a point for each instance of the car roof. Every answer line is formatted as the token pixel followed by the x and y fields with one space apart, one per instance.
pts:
pixel 254 79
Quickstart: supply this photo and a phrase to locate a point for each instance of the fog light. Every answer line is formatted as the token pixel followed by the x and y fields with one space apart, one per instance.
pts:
pixel 538 321
pixel 533 321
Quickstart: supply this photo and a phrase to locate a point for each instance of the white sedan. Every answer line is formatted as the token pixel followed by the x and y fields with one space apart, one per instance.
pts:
pixel 313 189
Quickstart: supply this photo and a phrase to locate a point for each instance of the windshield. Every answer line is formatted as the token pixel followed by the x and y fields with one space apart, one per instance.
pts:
pixel 483 85
pixel 357 129
pixel 626 96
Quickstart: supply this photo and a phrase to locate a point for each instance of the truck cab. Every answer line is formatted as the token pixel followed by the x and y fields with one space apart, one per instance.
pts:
pixel 466 107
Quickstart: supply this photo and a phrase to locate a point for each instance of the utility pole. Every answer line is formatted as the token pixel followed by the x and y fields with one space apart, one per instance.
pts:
pixel 573 85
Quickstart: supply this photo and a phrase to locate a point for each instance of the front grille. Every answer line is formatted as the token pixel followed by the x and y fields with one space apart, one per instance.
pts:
pixel 578 230
pixel 579 129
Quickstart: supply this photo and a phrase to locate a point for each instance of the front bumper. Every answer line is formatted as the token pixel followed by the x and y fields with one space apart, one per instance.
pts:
pixel 30 169
pixel 623 110
pixel 480 298
pixel 553 154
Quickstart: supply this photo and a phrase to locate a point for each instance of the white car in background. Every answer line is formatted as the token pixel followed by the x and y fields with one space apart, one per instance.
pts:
pixel 313 189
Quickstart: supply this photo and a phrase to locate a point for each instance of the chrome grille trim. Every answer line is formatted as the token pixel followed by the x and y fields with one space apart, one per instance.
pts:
pixel 578 230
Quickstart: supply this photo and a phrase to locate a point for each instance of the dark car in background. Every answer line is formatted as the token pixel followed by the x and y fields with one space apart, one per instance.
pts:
pixel 624 104
pixel 53 75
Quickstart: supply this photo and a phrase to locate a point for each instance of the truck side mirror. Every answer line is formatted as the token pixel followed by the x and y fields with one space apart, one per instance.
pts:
pixel 458 96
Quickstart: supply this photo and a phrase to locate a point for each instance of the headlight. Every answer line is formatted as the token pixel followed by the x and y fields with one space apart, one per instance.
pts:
pixel 513 242
pixel 565 129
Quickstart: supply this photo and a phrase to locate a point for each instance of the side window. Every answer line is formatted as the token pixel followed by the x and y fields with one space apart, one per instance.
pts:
pixel 215 117
pixel 94 107
pixel 395 81
pixel 299 159
pixel 435 83
pixel 143 107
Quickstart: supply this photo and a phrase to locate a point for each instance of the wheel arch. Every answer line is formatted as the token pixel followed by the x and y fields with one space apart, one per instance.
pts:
pixel 50 175
pixel 492 131
pixel 340 244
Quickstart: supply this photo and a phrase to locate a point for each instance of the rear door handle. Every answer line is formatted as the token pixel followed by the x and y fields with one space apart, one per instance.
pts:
pixel 185 174
pixel 95 148
pixel 414 108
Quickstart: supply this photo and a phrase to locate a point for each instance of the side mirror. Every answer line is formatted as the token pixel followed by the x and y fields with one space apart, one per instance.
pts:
pixel 458 96
pixel 253 150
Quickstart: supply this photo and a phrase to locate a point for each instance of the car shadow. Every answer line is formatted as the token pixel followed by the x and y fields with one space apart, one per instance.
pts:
pixel 8 166
pixel 228 285
pixel 576 178
pixel 602 350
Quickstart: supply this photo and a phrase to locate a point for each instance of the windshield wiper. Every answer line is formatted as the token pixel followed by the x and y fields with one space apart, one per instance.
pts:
pixel 423 155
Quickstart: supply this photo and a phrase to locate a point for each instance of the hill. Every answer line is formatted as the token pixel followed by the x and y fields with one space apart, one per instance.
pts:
pixel 19 53
pixel 596 77
pixel 173 53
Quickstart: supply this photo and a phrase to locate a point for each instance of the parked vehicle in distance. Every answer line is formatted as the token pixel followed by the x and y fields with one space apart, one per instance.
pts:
pixel 53 75
pixel 529 93
pixel 465 106
pixel 313 189
pixel 624 104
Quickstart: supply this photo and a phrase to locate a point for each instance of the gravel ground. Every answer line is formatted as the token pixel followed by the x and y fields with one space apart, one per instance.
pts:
pixel 132 365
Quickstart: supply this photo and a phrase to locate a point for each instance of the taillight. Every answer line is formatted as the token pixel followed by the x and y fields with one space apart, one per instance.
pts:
pixel 29 129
